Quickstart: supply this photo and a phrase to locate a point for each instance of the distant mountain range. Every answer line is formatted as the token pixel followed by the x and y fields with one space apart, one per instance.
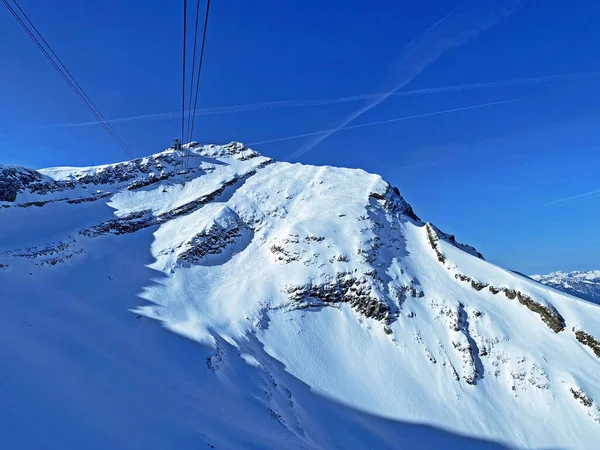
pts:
pixel 585 285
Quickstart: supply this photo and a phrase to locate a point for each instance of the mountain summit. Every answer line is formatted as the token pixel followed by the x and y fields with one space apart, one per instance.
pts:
pixel 320 312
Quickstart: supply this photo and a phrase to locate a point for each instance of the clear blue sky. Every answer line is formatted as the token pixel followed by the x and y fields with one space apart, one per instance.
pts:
pixel 491 175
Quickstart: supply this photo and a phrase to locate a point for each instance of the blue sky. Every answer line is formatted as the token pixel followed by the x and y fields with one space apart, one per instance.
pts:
pixel 518 180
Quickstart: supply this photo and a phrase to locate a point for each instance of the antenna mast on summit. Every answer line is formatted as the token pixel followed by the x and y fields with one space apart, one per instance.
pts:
pixel 177 144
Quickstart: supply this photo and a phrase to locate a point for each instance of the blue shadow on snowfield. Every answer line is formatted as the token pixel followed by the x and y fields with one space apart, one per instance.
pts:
pixel 79 370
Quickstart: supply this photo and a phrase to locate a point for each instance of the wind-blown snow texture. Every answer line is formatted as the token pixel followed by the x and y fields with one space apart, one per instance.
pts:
pixel 585 285
pixel 321 312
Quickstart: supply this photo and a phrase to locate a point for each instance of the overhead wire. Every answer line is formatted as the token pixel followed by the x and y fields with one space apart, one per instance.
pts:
pixel 193 114
pixel 187 138
pixel 64 72
pixel 183 81
pixel 193 69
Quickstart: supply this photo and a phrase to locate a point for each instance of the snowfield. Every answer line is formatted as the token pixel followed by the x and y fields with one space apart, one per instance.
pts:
pixel 301 307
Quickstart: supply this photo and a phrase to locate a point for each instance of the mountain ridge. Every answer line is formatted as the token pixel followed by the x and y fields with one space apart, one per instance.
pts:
pixel 292 275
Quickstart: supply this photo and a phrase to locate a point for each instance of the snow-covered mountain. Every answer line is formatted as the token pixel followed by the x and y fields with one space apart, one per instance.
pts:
pixel 301 307
pixel 585 285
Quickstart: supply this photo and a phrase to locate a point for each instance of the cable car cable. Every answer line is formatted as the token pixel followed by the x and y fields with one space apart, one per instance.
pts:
pixel 183 77
pixel 65 74
pixel 193 68
pixel 200 67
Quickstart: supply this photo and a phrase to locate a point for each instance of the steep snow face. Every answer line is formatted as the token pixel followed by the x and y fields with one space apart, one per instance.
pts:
pixel 585 285
pixel 322 310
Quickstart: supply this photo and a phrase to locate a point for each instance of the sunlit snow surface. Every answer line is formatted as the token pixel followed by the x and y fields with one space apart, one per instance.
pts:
pixel 216 255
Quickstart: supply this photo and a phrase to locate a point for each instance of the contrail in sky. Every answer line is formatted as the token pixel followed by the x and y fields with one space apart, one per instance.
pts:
pixel 347 99
pixel 462 24
pixel 398 119
pixel 576 197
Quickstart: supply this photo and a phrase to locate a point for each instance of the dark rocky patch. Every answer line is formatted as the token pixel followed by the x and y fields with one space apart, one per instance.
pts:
pixel 588 340
pixel 147 181
pixel 461 277
pixel 402 292
pixel 72 201
pixel 93 198
pixel 411 291
pixel 283 255
pixel 550 316
pixel 344 288
pixel 48 255
pixel 548 313
pixel 314 238
pixel 210 242
pixel 395 203
pixel 14 180
pixel 579 394
pixel 478 286
pixel 249 156
pixel 37 203
pixel 144 219
pixel 439 234
pixel 122 225
pixel 371 250
pixel 458 321
pixel 452 240
pixel 434 240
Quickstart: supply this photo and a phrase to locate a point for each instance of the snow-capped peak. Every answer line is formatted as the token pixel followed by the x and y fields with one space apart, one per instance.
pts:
pixel 577 274
pixel 581 284
pixel 298 284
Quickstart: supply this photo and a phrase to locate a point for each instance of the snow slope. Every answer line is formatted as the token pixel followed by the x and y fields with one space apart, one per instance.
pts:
pixel 585 285
pixel 319 312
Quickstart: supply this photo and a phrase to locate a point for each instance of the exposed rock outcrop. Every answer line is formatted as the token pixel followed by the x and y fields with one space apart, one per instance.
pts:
pixel 434 242
pixel 548 313
pixel 14 180
pixel 226 230
pixel 587 402
pixel 588 340
pixel 143 219
pixel 344 288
